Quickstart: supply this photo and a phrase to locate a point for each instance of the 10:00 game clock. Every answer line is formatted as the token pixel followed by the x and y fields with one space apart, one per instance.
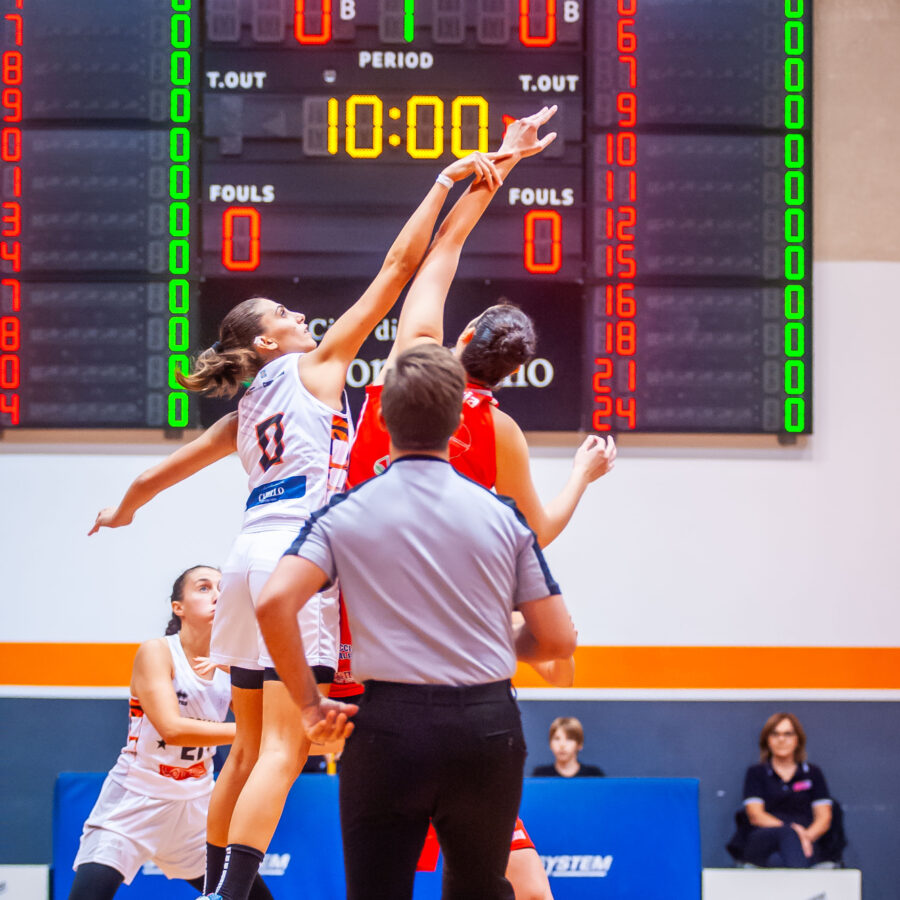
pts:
pixel 164 159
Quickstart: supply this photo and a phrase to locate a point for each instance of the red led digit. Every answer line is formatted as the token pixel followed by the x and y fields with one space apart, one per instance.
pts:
pixel 632 186
pixel 629 217
pixel 12 67
pixel 626 41
pixel 300 32
pixel 632 375
pixel 555 219
pixel 626 338
pixel 10 405
pixel 10 336
pixel 626 103
pixel 604 405
pixel 12 101
pixel 626 7
pixel 9 372
pixel 626 408
pixel 11 251
pixel 604 367
pixel 11 218
pixel 598 424
pixel 252 218
pixel 626 148
pixel 626 261
pixel 525 35
pixel 16 19
pixel 11 144
pixel 15 294
pixel 631 62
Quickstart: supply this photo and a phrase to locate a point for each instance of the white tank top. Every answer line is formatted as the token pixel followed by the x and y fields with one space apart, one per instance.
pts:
pixel 147 764
pixel 294 447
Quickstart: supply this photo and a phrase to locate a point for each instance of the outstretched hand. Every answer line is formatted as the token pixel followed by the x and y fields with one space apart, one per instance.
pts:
pixel 109 518
pixel 596 457
pixel 522 135
pixel 328 720
pixel 481 164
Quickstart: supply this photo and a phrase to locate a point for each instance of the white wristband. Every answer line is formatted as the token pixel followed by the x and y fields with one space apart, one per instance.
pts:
pixel 445 180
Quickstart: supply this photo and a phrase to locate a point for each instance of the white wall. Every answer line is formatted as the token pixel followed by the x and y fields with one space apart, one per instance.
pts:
pixel 712 541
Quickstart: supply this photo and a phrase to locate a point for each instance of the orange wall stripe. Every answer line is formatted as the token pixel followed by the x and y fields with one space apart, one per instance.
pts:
pixel 666 668
pixel 67 665
pixel 736 668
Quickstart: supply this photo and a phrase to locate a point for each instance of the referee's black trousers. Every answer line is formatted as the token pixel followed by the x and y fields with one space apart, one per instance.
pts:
pixel 454 755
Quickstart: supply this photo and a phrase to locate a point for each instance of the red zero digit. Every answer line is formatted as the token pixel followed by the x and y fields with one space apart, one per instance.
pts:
pixel 11 144
pixel 301 12
pixel 10 336
pixel 555 219
pixel 247 220
pixel 9 372
pixel 12 67
pixel 525 35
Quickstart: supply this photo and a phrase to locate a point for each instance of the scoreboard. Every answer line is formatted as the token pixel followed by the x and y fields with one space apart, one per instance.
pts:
pixel 162 160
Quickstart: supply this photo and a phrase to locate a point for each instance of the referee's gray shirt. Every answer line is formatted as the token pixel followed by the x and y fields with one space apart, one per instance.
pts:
pixel 431 565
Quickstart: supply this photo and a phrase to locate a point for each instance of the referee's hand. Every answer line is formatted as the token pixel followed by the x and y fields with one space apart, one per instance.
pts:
pixel 328 720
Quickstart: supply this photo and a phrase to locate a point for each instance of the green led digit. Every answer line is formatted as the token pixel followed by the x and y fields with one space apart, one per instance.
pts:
pixel 180 180
pixel 795 268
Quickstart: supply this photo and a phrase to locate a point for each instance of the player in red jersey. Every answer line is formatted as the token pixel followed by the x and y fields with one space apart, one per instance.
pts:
pixel 488 447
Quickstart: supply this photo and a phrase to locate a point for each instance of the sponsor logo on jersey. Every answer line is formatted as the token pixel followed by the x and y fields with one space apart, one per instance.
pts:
pixel 581 865
pixel 180 774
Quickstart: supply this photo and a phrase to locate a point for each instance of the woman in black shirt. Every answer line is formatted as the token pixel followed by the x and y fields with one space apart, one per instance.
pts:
pixel 786 799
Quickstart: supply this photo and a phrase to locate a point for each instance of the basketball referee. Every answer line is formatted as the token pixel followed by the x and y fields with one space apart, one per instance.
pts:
pixel 431 565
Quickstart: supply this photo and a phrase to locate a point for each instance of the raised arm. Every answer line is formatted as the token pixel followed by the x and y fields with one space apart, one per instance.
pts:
pixel 214 444
pixel 422 315
pixel 593 459
pixel 324 369
pixel 151 683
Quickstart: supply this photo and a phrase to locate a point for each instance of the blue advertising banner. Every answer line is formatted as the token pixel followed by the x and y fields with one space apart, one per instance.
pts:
pixel 612 838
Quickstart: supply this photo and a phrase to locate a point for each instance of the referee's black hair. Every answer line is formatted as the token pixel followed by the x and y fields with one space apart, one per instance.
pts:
pixel 504 339
pixel 174 625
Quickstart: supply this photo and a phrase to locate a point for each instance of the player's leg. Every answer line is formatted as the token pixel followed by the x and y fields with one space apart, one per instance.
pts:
pixel 235 643
pixel 95 881
pixel 525 872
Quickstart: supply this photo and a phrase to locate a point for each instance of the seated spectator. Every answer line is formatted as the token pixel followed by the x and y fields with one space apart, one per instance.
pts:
pixel 786 802
pixel 566 741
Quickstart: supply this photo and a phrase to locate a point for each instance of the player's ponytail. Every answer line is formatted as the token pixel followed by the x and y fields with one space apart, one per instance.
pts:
pixel 174 625
pixel 504 339
pixel 231 361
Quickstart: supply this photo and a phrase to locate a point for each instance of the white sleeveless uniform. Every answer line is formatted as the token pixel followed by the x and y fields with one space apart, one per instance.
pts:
pixel 295 450
pixel 153 803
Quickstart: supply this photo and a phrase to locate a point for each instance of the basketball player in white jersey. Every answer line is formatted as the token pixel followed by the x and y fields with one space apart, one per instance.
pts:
pixel 153 803
pixel 262 340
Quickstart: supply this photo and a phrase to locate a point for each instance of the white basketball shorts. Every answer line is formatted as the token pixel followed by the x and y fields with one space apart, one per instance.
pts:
pixel 236 638
pixel 125 830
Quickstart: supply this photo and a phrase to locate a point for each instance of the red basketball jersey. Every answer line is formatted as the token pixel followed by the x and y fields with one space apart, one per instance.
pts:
pixel 473 451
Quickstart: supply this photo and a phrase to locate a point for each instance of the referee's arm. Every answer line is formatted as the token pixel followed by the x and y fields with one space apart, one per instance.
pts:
pixel 547 632
pixel 286 592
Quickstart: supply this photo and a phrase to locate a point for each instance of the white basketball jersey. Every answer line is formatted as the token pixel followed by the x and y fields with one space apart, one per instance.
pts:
pixel 147 764
pixel 294 448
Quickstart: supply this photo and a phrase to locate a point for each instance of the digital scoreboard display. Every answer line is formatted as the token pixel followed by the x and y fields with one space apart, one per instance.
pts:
pixel 162 160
